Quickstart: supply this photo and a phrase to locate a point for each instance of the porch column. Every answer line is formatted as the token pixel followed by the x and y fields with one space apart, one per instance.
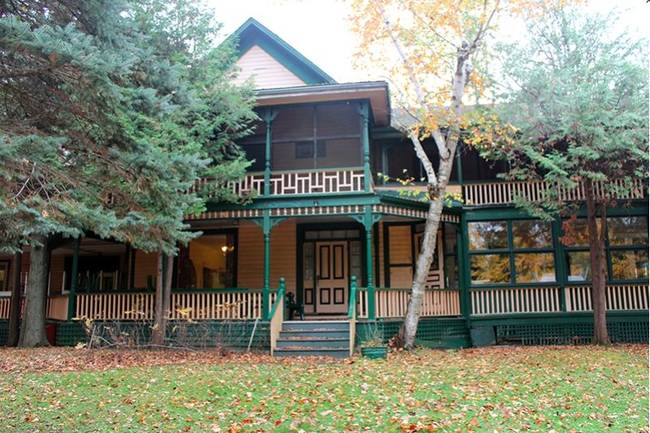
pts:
pixel 266 289
pixel 365 143
pixel 269 115
pixel 463 270
pixel 459 166
pixel 72 295
pixel 367 224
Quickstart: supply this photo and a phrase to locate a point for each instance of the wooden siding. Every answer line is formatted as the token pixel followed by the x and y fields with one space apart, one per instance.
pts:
pixel 399 253
pixel 57 269
pixel 267 73
pixel 250 258
pixel 145 266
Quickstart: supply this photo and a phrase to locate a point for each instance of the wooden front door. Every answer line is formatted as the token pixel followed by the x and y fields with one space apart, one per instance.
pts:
pixel 332 277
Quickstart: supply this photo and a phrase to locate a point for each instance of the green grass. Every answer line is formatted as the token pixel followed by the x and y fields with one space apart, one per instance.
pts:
pixel 583 389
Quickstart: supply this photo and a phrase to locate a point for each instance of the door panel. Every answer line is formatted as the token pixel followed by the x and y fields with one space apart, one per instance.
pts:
pixel 332 277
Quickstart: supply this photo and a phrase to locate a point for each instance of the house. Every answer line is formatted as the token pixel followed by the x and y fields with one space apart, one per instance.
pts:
pixel 323 226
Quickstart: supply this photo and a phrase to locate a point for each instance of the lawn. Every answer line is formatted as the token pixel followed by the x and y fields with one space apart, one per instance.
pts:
pixel 507 389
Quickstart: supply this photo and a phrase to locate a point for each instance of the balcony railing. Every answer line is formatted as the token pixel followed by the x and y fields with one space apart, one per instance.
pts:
pixel 495 193
pixel 297 182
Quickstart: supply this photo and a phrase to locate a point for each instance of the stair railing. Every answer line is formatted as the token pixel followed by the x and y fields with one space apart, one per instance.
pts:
pixel 352 312
pixel 277 314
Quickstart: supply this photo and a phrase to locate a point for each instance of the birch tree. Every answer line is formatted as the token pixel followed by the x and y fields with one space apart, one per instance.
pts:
pixel 430 52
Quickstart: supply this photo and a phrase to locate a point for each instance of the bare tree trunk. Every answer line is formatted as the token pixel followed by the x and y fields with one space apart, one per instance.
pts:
pixel 14 303
pixel 597 261
pixel 158 335
pixel 32 333
pixel 410 326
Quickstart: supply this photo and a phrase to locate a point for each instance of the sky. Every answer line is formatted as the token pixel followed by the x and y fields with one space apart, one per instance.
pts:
pixel 319 29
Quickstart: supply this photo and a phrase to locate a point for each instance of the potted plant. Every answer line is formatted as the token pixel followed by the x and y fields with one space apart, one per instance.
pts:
pixel 374 347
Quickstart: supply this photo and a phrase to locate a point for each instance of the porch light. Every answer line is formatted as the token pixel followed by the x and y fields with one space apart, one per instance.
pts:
pixel 227 249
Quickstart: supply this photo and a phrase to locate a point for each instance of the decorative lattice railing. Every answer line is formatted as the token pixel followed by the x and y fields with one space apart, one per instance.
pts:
pixel 298 182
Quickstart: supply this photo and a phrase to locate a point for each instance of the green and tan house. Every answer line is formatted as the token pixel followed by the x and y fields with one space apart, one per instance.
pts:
pixel 345 242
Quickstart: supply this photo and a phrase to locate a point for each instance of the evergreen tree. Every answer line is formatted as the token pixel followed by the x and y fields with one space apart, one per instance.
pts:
pixel 575 113
pixel 106 122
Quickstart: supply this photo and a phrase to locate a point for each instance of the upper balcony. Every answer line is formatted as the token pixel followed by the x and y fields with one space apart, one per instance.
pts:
pixel 308 149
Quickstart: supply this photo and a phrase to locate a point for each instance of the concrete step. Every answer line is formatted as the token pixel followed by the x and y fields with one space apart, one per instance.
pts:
pixel 311 333
pixel 315 325
pixel 313 343
pixel 294 352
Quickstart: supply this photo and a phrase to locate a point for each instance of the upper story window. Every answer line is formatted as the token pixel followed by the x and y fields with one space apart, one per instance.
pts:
pixel 511 252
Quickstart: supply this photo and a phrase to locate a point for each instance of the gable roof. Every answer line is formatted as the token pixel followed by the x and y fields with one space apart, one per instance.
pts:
pixel 252 32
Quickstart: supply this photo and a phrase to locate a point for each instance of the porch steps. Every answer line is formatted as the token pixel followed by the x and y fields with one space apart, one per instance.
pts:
pixel 314 338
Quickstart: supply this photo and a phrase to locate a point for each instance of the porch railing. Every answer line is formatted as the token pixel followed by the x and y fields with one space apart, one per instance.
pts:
pixel 620 297
pixel 392 303
pixel 56 307
pixel 492 193
pixel 276 315
pixel 501 301
pixel 292 182
pixel 209 304
pixel 515 300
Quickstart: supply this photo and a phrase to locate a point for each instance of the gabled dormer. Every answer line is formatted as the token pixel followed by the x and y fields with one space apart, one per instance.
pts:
pixel 271 62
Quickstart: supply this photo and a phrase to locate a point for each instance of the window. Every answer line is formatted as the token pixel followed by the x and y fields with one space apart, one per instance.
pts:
pixel 626 245
pixel 511 252
pixel 211 261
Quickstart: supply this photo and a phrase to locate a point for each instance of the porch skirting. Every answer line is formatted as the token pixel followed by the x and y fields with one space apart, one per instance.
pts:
pixel 200 334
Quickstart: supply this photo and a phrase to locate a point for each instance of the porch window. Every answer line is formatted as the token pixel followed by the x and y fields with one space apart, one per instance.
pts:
pixel 626 249
pixel 511 252
pixel 212 262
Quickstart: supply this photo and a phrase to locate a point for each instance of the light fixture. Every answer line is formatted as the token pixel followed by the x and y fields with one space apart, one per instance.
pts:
pixel 227 249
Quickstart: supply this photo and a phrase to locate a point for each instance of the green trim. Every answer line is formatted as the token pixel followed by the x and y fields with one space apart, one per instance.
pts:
pixel 252 32
pixel 368 221
pixel 352 304
pixel 266 288
pixel 463 269
pixel 365 144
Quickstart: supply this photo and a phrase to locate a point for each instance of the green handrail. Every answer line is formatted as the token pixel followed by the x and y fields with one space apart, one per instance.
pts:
pixel 279 297
pixel 352 304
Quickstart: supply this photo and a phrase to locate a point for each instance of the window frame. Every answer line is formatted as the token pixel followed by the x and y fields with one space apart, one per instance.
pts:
pixel 511 251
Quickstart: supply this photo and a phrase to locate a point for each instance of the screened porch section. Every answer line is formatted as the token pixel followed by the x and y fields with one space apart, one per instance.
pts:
pixel 311 148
